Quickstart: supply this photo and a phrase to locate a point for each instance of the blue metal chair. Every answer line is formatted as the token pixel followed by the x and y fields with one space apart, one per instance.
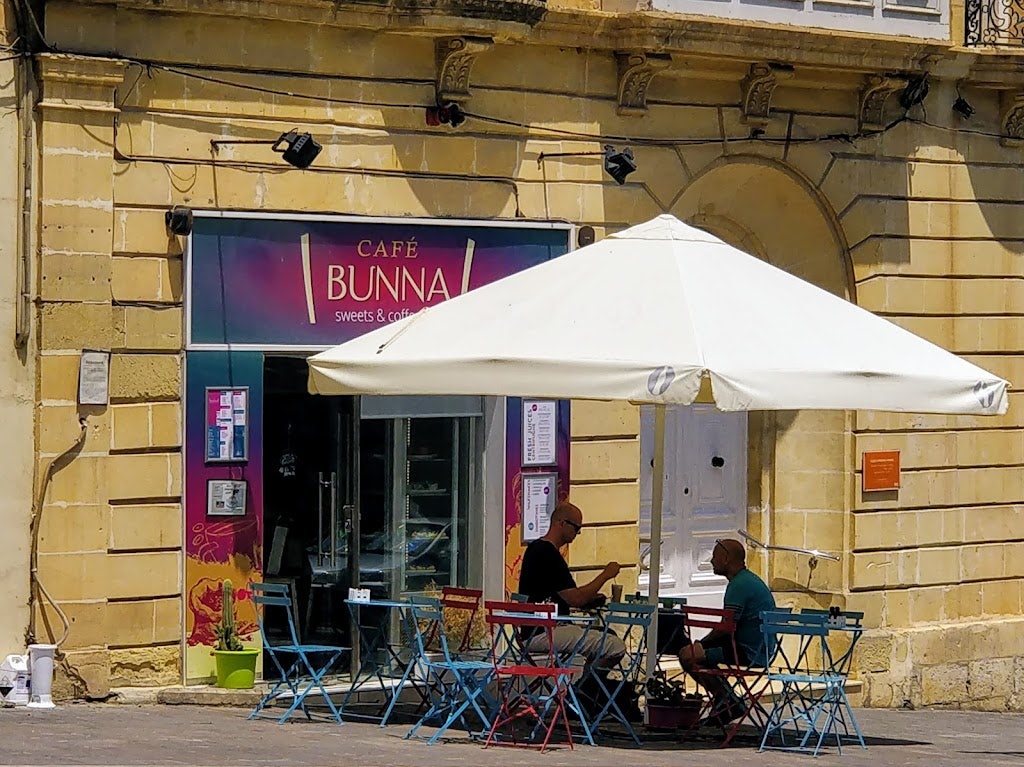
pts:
pixel 306 663
pixel 852 626
pixel 457 686
pixel 810 699
pixel 626 617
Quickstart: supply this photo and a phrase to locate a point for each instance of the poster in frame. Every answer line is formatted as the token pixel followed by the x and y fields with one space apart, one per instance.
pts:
pixel 227 424
pixel 540 432
pixel 540 494
pixel 226 497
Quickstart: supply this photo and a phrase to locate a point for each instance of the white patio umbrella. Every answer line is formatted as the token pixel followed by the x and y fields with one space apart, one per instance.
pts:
pixel 648 315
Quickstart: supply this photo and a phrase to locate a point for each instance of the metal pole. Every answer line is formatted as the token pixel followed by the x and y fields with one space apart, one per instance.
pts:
pixel 320 553
pixel 334 521
pixel 657 501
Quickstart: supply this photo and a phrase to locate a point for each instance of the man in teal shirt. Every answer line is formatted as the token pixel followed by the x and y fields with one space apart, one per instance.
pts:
pixel 747 596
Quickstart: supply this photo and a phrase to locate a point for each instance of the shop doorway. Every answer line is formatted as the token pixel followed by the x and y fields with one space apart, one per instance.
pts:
pixel 704 496
pixel 374 492
pixel 310 486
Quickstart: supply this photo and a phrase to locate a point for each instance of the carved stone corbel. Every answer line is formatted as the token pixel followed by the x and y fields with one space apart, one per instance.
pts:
pixel 453 59
pixel 758 87
pixel 1011 118
pixel 873 95
pixel 636 70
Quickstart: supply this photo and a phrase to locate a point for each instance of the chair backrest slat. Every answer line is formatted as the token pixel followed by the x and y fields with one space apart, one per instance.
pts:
pixel 627 614
pixel 463 593
pixel 274 595
pixel 466 600
pixel 715 618
pixel 276 601
pixel 513 623
pixel 428 625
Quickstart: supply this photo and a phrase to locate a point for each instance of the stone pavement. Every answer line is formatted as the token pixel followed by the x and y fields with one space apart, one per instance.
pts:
pixel 111 734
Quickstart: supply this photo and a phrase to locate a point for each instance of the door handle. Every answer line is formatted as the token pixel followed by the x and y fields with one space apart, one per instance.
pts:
pixel 333 484
pixel 718 462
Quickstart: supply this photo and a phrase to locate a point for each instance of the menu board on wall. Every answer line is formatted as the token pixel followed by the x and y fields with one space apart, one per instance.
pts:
pixel 539 494
pixel 227 424
pixel 540 432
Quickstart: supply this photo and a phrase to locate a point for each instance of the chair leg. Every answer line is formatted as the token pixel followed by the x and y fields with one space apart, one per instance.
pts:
pixel 294 593
pixel 611 706
pixel 316 675
pixel 588 728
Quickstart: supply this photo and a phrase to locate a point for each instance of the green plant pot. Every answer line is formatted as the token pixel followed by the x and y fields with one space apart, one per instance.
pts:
pixel 236 669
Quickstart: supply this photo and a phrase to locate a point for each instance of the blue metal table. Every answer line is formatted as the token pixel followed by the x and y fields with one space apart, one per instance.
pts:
pixel 390 661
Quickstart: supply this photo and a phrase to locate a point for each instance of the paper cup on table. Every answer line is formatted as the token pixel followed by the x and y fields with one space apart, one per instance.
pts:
pixel 616 592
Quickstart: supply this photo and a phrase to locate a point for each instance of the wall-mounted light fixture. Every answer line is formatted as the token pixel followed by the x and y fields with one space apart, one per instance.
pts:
pixel 297 149
pixel 446 114
pixel 963 107
pixel 618 165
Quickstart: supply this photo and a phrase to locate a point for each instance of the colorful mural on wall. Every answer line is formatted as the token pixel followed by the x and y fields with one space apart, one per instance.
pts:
pixel 219 547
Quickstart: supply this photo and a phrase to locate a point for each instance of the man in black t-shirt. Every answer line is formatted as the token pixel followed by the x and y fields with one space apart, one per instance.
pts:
pixel 545 577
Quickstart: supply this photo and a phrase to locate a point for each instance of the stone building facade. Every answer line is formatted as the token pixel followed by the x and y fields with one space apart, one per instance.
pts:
pixel 786 140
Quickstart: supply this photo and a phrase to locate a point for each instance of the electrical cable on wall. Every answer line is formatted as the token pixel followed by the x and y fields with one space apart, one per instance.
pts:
pixel 38 594
pixel 919 86
pixel 147 66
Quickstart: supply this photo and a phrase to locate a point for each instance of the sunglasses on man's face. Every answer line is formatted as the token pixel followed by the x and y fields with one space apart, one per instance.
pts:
pixel 573 525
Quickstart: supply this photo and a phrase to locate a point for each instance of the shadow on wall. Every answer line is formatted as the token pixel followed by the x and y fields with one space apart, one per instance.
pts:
pixel 379 154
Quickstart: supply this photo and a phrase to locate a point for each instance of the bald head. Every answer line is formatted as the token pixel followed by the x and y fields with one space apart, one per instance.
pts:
pixel 566 523
pixel 728 557
pixel 566 510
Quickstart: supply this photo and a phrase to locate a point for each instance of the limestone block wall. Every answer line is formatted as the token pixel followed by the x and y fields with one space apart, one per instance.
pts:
pixel 940 556
pixel 16 363
pixel 605 485
pixel 918 224
pixel 111 527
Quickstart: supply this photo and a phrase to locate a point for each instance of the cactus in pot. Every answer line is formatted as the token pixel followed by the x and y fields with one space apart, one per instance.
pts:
pixel 235 664
pixel 227 636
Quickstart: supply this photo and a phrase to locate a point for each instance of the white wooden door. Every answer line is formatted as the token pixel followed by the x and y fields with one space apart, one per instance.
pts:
pixel 704 497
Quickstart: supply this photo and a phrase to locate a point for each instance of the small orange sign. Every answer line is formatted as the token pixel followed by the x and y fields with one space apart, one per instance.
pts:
pixel 881 470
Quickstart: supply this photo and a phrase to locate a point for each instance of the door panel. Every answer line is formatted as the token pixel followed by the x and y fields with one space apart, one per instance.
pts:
pixel 714 450
pixel 705 491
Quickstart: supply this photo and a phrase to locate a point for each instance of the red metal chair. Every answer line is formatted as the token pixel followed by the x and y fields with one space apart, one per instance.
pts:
pixel 468 600
pixel 531 686
pixel 734 688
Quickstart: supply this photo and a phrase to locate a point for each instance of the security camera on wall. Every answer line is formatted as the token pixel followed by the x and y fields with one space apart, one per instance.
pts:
pixel 179 221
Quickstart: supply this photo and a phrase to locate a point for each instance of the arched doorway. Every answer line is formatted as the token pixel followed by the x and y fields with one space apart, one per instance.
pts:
pixel 782 476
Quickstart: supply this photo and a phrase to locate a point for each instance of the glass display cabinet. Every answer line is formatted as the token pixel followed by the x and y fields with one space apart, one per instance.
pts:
pixel 428 531
pixel 416 485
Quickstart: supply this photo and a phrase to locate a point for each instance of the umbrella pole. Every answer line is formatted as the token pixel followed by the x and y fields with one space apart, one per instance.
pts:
pixel 654 564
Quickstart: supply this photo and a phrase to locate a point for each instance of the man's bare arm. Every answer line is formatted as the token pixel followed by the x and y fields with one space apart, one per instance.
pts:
pixel 587 593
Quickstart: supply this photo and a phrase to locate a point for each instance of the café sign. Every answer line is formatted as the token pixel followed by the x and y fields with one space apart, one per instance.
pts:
pixel 318 282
